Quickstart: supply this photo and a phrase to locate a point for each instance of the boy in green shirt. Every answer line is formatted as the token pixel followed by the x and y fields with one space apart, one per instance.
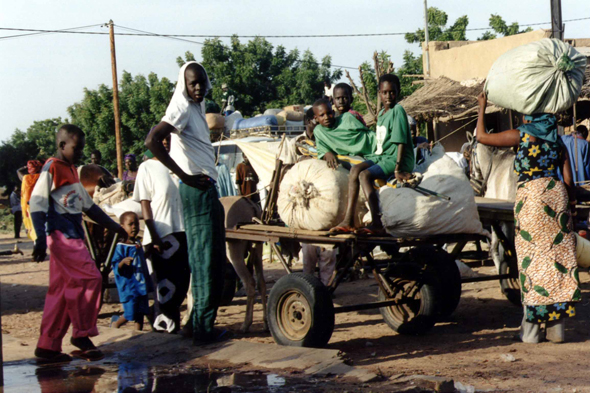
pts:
pixel 393 154
pixel 343 135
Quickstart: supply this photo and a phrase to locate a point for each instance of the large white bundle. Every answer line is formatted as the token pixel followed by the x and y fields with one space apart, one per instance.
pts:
pixel 313 196
pixel 544 76
pixel 406 212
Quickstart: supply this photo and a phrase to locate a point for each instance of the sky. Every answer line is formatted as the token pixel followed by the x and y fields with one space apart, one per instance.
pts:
pixel 41 75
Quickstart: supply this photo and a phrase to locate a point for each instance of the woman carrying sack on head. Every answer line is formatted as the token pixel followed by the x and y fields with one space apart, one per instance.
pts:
pixel 545 241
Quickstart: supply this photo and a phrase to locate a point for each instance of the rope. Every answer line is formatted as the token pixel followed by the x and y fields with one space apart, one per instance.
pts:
pixel 457 130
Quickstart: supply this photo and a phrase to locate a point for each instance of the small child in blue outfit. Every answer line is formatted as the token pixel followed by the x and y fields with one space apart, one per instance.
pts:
pixel 131 275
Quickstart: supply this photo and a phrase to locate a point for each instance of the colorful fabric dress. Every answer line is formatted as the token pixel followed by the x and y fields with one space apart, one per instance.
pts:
pixel 545 242
pixel 133 283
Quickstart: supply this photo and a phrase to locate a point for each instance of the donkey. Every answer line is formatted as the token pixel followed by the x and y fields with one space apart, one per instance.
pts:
pixel 242 210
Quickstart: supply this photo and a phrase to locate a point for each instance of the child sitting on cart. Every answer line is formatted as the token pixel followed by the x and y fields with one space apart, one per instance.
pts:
pixel 343 100
pixel 131 275
pixel 393 154
pixel 342 135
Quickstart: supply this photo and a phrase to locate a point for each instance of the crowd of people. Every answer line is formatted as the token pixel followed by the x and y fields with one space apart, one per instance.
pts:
pixel 175 186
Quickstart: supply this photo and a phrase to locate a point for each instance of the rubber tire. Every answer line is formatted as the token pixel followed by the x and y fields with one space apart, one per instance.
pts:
pixel 510 287
pixel 230 284
pixel 449 282
pixel 427 313
pixel 321 308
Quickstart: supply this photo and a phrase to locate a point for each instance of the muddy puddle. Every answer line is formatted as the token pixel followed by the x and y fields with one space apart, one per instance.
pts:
pixel 137 377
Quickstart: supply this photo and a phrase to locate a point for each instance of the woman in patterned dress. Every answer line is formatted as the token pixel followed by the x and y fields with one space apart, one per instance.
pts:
pixel 544 238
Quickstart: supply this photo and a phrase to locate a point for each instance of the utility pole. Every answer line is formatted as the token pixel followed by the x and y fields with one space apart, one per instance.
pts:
pixel 556 23
pixel 116 101
pixel 426 38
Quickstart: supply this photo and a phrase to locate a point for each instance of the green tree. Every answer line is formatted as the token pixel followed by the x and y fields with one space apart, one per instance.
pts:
pixel 437 30
pixel 262 76
pixel 142 103
pixel 500 26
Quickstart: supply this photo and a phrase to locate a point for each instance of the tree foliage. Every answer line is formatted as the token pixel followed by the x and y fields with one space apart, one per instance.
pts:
pixel 142 103
pixel 262 76
pixel 38 142
pixel 499 26
pixel 437 30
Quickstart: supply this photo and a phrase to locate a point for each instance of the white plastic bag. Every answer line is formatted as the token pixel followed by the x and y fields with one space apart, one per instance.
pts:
pixel 544 76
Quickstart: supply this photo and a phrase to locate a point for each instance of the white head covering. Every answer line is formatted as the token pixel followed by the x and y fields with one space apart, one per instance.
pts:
pixel 180 99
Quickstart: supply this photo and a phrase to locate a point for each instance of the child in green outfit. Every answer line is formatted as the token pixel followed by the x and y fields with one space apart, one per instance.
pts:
pixel 393 154
pixel 343 135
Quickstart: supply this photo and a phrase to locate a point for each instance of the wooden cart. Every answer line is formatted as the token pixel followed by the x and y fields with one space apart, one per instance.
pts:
pixel 418 283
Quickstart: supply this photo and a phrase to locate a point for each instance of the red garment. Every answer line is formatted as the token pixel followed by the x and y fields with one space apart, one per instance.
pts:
pixel 73 295
pixel 34 166
pixel 358 116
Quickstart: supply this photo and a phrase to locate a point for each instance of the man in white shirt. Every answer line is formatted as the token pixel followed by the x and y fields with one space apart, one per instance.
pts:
pixel 192 159
pixel 164 239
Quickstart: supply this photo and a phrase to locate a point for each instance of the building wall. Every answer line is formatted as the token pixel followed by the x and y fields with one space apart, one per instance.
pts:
pixel 465 60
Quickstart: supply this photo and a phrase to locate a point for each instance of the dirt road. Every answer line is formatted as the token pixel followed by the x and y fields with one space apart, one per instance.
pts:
pixel 474 346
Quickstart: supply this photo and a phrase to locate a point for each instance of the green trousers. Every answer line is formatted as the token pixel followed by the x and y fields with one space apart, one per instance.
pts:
pixel 204 222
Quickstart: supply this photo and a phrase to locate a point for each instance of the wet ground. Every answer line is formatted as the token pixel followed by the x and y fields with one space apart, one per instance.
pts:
pixel 137 377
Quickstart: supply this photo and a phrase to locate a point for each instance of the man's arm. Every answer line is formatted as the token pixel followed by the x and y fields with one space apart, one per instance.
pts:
pixel 148 218
pixel 21 172
pixel 154 143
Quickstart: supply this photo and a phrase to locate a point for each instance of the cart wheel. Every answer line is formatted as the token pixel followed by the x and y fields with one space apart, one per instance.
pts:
pixel 449 281
pixel 417 312
pixel 509 265
pixel 510 286
pixel 230 284
pixel 300 311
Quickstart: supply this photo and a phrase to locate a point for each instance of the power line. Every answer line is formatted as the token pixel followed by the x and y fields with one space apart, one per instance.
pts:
pixel 39 32
pixel 148 34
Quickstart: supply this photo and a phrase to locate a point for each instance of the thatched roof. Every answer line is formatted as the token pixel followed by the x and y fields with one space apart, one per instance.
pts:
pixel 444 99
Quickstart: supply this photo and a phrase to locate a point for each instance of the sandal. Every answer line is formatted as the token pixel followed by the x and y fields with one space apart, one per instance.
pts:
pixel 46 356
pixel 338 230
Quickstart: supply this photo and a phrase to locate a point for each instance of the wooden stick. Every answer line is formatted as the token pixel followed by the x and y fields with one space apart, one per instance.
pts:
pixel 116 101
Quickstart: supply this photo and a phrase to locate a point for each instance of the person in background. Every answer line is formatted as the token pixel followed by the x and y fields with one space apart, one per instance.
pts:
pixel 164 240
pixel 192 159
pixel 131 164
pixel 96 157
pixel 247 180
pixel 75 284
pixel 343 100
pixel 545 241
pixel 16 210
pixel 419 141
pixel 579 152
pixel 328 90
pixel 28 176
pixel 131 275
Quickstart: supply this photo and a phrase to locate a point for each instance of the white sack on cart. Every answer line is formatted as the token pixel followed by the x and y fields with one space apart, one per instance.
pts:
pixel 313 196
pixel 406 212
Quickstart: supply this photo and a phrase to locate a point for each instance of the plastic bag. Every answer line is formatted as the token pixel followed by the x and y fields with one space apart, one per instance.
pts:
pixel 544 76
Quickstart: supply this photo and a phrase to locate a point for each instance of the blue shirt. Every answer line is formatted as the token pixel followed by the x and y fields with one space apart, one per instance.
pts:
pixel 133 280
pixel 583 154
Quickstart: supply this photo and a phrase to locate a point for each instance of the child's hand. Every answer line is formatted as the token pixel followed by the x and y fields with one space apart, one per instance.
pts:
pixel 402 176
pixel 331 159
pixel 125 262
pixel 39 253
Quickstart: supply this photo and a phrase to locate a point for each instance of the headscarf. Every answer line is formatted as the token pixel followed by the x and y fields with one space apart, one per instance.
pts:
pixel 131 157
pixel 34 166
pixel 180 99
pixel 542 125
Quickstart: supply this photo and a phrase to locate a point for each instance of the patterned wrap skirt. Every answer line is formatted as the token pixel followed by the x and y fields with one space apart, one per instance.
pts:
pixel 546 250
